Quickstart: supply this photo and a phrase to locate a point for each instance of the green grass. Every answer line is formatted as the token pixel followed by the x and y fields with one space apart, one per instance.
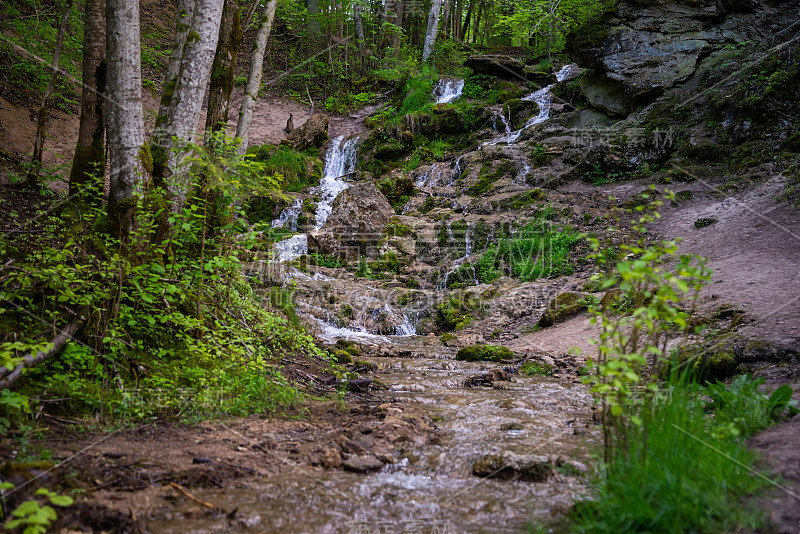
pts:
pixel 537 250
pixel 298 170
pixel 686 468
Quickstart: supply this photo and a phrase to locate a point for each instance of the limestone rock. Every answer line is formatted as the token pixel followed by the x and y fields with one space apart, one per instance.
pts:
pixel 356 225
pixel 362 464
pixel 331 459
pixel 562 307
pixel 478 353
pixel 498 65
pixel 509 465
pixel 314 132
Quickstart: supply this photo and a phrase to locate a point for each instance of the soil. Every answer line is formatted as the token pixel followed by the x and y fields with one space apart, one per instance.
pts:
pixel 130 472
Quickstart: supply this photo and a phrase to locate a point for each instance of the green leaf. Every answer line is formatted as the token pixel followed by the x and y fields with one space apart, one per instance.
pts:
pixel 62 500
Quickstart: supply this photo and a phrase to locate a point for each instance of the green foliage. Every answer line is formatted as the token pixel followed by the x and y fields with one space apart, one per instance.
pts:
pixel 32 516
pixel 536 369
pixel 33 27
pixel 536 250
pixel 417 91
pixel 477 86
pixel 293 170
pixel 174 328
pixel 667 467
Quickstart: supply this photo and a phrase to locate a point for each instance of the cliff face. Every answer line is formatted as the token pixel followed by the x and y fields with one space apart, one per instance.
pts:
pixel 642 48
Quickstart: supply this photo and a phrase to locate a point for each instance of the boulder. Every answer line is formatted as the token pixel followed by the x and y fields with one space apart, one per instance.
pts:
pixel 508 465
pixel 314 132
pixel 362 463
pixel 562 307
pixel 491 378
pixel 356 225
pixel 484 353
pixel 498 65
pixel 331 458
pixel 648 46
pixel 604 94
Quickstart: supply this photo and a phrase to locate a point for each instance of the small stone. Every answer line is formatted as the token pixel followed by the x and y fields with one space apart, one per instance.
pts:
pixel 362 464
pixel 331 459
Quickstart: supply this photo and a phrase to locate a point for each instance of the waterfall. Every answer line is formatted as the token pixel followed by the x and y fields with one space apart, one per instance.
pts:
pixel 340 160
pixel 448 90
pixel 289 214
pixel 543 98
pixel 442 285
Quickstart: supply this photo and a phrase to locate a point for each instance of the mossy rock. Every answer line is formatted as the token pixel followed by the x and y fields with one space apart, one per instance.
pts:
pixel 484 353
pixel 343 357
pixel 536 369
pixel 562 307
pixel 707 364
pixel 705 221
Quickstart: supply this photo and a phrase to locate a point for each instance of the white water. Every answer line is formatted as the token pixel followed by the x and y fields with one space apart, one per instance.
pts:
pixel 340 161
pixel 448 90
pixel 544 99
pixel 442 286
pixel 290 215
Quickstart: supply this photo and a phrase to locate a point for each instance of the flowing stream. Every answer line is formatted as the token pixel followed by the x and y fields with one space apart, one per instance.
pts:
pixel 340 161
pixel 432 488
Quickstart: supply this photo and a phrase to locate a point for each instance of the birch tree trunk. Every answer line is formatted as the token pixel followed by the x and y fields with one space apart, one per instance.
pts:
pixel 223 67
pixel 185 13
pixel 41 121
pixel 183 112
pixel 255 74
pixel 89 162
pixel 433 28
pixel 125 122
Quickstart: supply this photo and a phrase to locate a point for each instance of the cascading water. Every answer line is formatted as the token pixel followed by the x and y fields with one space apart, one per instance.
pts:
pixel 289 215
pixel 448 90
pixel 442 286
pixel 543 98
pixel 340 161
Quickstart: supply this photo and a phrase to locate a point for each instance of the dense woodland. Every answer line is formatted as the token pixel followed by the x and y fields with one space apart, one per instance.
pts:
pixel 140 287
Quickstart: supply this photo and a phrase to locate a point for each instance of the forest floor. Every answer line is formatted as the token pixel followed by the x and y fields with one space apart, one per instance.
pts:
pixel 752 249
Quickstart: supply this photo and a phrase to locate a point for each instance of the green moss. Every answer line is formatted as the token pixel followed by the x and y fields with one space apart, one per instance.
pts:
pixel 193 37
pixel 706 364
pixel 536 369
pixel 484 353
pixel 562 307
pixel 343 357
pixel 146 158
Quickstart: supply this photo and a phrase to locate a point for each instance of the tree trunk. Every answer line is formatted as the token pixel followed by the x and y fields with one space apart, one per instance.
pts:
pixel 183 112
pixel 125 121
pixel 254 77
pixel 185 13
pixel 477 24
pixel 8 378
pixel 398 20
pixel 457 16
pixel 38 145
pixel 89 164
pixel 446 18
pixel 223 68
pixel 432 30
pixel 467 20
pixel 358 22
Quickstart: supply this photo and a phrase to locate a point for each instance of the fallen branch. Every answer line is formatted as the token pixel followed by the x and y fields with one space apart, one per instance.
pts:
pixel 192 497
pixel 9 377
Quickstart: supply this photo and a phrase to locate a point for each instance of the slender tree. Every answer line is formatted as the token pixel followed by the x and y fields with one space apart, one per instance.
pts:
pixel 41 120
pixel 125 123
pixel 224 66
pixel 89 160
pixel 267 16
pixel 184 25
pixel 433 28
pixel 185 94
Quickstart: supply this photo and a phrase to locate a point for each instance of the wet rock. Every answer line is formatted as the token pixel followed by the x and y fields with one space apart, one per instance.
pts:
pixel 491 378
pixel 356 225
pixel 604 94
pixel 331 459
pixel 498 65
pixel 484 353
pixel 313 133
pixel 562 307
pixel 509 465
pixel 362 464
pixel 360 385
pixel 343 357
